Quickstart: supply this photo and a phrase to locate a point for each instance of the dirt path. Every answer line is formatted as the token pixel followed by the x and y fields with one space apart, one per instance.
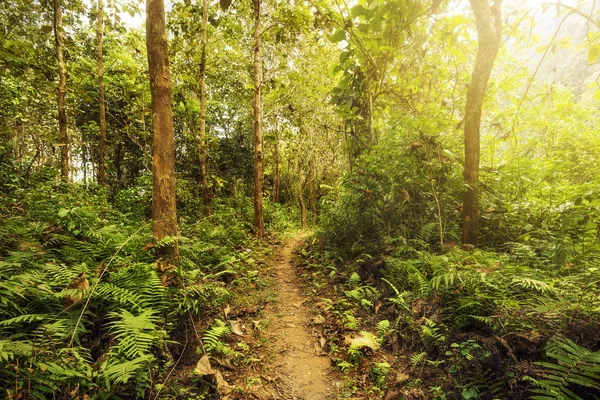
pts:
pixel 302 372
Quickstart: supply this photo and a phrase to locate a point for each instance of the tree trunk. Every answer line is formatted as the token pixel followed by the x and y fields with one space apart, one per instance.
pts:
pixel 60 94
pixel 118 162
pixel 312 194
pixel 101 106
pixel 301 179
pixel 277 175
pixel 203 144
pixel 489 28
pixel 164 211
pixel 371 117
pixel 259 223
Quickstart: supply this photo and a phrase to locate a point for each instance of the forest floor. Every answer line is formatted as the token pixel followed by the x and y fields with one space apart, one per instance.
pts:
pixel 298 362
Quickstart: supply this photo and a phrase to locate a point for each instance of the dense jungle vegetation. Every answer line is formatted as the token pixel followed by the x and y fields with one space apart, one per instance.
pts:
pixel 442 154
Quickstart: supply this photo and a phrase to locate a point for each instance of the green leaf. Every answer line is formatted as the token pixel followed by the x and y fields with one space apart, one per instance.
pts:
pixel 358 10
pixel 338 36
pixel 593 54
pixel 224 4
pixel 63 212
pixel 469 394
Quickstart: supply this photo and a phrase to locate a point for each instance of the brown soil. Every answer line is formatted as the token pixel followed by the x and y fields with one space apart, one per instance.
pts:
pixel 301 367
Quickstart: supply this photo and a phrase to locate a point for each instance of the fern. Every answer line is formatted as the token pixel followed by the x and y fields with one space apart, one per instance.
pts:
pixel 532 284
pixel 166 242
pixel 427 232
pixel 448 278
pixel 212 339
pixel 418 358
pixel 574 365
pixel 399 300
pixel 430 334
pixel 122 372
pixel 136 335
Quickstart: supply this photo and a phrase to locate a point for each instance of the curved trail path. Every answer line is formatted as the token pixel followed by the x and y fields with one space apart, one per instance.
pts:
pixel 302 372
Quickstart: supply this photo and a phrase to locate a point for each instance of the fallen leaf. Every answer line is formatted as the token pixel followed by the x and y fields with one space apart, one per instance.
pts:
pixel 298 304
pixel 203 367
pixel 401 377
pixel 227 310
pixel 236 328
pixel 364 339
pixel 377 307
pixel 322 341
pixel 222 384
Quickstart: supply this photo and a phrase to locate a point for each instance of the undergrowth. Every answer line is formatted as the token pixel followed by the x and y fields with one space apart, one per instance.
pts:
pixel 86 310
pixel 459 324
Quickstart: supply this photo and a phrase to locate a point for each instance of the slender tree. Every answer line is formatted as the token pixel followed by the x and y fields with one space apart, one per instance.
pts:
pixel 489 29
pixel 61 93
pixel 101 105
pixel 277 161
pixel 203 143
pixel 259 223
pixel 163 152
pixel 301 178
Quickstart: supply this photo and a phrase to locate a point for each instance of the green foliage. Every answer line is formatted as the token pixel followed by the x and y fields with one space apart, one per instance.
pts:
pixel 213 338
pixel 574 369
pixel 84 303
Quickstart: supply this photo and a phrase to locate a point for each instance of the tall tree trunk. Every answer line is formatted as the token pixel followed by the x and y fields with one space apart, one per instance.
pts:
pixel 259 223
pixel 119 161
pixel 277 175
pixel 101 105
pixel 84 163
pixel 164 211
pixel 203 144
pixel 312 194
pixel 489 29
pixel 60 94
pixel 371 117
pixel 301 179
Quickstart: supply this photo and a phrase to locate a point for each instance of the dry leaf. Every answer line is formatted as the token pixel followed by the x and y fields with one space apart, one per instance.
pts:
pixel 377 307
pixel 203 367
pixel 236 328
pixel 401 377
pixel 322 341
pixel 227 310
pixel 298 304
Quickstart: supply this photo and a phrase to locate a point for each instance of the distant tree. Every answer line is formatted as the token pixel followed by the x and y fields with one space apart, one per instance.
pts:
pixel 101 105
pixel 203 144
pixel 489 29
pixel 61 93
pixel 164 211
pixel 259 223
pixel 301 176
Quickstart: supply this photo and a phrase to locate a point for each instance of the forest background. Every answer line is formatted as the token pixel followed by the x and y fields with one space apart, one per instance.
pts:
pixel 351 119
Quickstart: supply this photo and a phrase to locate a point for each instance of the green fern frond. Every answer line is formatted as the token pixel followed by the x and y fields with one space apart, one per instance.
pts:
pixel 135 334
pixel 212 339
pixel 448 279
pixel 532 284
pixel 122 372
pixel 166 242
pixel 417 358
pixel 574 365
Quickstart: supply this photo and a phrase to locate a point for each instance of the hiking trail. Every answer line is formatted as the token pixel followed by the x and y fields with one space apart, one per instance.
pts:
pixel 302 368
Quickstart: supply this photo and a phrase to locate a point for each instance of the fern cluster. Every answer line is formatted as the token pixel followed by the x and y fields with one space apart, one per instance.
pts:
pixel 83 304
